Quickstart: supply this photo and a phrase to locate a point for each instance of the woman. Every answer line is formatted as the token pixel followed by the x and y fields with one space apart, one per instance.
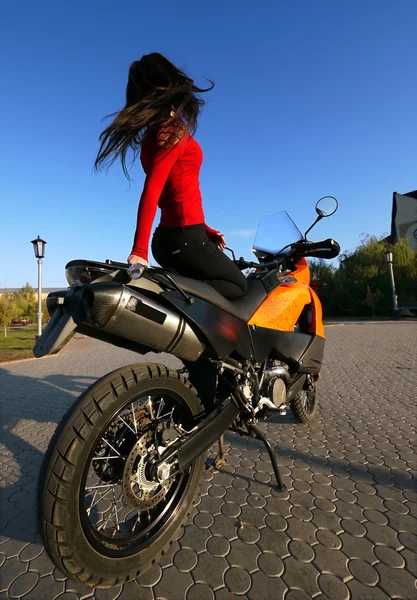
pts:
pixel 159 118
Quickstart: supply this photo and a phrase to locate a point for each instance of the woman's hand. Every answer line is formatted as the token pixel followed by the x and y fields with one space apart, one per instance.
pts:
pixel 133 259
pixel 137 266
pixel 218 238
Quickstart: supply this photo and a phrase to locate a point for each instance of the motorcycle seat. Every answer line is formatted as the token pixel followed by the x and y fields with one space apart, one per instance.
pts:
pixel 242 308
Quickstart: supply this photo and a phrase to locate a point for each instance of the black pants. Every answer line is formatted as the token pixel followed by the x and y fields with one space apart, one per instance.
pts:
pixel 190 252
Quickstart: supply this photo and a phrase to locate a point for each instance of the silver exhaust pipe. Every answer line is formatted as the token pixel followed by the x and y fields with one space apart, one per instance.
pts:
pixel 126 313
pixel 278 371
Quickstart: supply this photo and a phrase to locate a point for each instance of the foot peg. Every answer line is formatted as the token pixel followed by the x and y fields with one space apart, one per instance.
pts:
pixel 257 433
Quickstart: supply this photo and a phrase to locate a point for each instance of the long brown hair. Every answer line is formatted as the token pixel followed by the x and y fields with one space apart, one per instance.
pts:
pixel 158 94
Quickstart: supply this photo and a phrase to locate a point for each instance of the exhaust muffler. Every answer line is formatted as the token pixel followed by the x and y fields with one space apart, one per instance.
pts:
pixel 125 313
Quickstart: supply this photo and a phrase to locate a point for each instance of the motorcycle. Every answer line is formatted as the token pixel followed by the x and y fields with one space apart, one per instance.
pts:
pixel 123 468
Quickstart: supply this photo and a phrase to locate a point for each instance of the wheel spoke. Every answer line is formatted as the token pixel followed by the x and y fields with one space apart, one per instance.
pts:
pixel 127 424
pixel 134 418
pixel 114 449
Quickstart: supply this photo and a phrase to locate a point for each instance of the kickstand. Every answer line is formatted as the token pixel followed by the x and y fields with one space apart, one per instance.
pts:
pixel 257 433
pixel 220 460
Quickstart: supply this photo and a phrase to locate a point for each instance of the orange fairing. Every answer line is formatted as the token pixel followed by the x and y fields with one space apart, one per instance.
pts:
pixel 317 324
pixel 302 271
pixel 282 308
pixel 284 305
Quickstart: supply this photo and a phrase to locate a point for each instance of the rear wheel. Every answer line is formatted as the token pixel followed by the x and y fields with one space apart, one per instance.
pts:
pixel 104 519
pixel 306 403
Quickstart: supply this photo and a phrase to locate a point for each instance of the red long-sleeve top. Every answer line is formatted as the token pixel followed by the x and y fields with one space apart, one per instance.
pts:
pixel 171 184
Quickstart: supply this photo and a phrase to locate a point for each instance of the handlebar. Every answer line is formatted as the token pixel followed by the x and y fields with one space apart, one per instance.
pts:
pixel 326 249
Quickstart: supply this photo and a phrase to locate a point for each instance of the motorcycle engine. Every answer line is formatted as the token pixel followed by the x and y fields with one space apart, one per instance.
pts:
pixel 277 391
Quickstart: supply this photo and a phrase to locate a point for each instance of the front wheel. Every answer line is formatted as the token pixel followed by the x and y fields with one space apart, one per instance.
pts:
pixel 103 517
pixel 305 405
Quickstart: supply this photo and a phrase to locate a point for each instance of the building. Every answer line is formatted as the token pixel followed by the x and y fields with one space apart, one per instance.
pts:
pixel 404 218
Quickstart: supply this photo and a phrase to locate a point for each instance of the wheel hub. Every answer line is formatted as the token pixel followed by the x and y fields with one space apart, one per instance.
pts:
pixel 140 492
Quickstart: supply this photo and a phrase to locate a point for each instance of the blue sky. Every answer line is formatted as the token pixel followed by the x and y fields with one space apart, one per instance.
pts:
pixel 311 98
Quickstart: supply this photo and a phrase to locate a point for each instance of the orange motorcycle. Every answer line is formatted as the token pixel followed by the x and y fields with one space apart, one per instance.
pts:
pixel 124 466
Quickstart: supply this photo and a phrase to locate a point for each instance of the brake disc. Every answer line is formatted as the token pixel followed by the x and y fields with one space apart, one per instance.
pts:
pixel 140 492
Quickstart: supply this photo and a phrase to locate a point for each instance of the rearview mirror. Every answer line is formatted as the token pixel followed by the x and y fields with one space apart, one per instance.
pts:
pixel 326 206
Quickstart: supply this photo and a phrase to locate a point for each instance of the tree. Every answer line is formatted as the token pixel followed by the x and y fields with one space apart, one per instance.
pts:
pixel 45 313
pixel 361 285
pixel 8 310
pixel 27 303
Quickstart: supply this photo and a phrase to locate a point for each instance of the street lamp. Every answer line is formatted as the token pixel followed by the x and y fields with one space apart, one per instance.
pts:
pixel 39 248
pixel 388 255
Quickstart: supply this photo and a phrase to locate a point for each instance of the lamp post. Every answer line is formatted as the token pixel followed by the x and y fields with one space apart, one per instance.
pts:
pixel 39 248
pixel 388 255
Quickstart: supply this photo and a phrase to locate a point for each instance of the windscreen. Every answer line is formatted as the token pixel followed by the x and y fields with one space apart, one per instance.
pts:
pixel 275 232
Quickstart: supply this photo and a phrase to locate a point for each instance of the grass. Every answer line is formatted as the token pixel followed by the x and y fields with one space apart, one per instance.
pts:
pixel 19 343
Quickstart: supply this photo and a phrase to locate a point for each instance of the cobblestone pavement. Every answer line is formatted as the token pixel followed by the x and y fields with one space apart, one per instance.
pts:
pixel 346 527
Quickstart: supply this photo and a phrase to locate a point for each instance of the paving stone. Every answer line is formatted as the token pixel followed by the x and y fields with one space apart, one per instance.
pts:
pixel 333 588
pixel 328 539
pixel 325 520
pixel 402 523
pixel 410 561
pixel 276 522
pixel 353 527
pixel 67 596
pixel 302 513
pixel 173 580
pixel 301 551
pixel 151 577
pixel 82 591
pixel 46 589
pixel 274 541
pixel 108 594
pixel 237 581
pixel 210 505
pixel 297 595
pixel 199 591
pixel 249 534
pixel 358 591
pixel 350 511
pixel 382 534
pixel 30 552
pixel 224 526
pixel 224 594
pixel 270 564
pixel 243 555
pixel 23 584
pixel 194 538
pixel 185 560
pixel 376 517
pixel 390 557
pixel 42 564
pixel 131 591
pixel 11 569
pixel 218 546
pixel 363 572
pixel 300 575
pixel 300 530
pixel 210 570
pixel 408 540
pixel 265 587
pixel 331 561
pixel 231 510
pixel 325 504
pixel 396 582
pixel 357 548
pixel 203 520
pixel 12 547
